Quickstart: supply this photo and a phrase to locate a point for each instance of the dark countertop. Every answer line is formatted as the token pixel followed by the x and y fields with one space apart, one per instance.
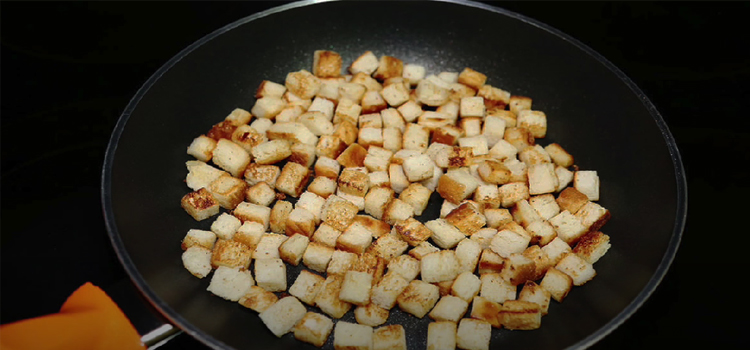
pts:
pixel 69 70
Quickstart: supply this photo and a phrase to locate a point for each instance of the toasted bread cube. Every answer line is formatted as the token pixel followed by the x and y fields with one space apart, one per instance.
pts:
pixel 472 78
pixel 433 120
pixel 353 156
pixel 339 213
pixel 579 270
pixel 395 94
pixel 225 226
pixel 439 266
pixel 256 173
pixel 302 84
pixel 317 121
pixel 354 181
pixel 513 192
pixel 545 205
pixel 199 238
pixel 417 196
pixel 466 218
pixel 328 298
pixel 379 179
pixel 372 102
pixel 467 253
pixel 518 269
pixel 517 170
pixel 327 167
pixel 313 328
pixel 399 181
pixel 493 131
pixel 555 250
pixel 497 217
pixel 568 227
pixel 369 137
pixel 487 196
pixel 449 308
pixel 503 150
pixel 472 107
pixel 300 221
pixel 261 125
pixel 391 337
pixel 293 179
pixel 231 157
pixel 422 250
pixel 418 168
pixel 356 200
pixel 317 256
pixel 260 194
pixel 268 246
pixel 377 158
pixel 306 287
pixel 439 151
pixel 326 64
pixel 279 215
pixel 250 234
pixel 291 250
pixel 281 317
pixel 593 216
pixel 490 262
pixel 557 283
pixel 432 92
pixel 200 204
pixel 352 91
pixel 473 334
pixel 356 287
pixel 389 67
pixel 534 121
pixel 483 237
pixel 519 137
pixel 540 259
pixel 457 185
pixel 432 183
pixel 230 283
pixel 494 97
pixel 367 81
pixel 564 177
pixel 448 77
pixel 559 155
pixel 348 110
pixel 270 89
pixel 448 135
pixel 291 132
pixel 389 246
pixel 201 174
pixel 355 239
pixel 592 246
pixel 289 114
pixel 341 262
pixel 524 214
pixel 197 260
pixel 371 315
pixel 519 103
pixel 268 107
pixel 401 155
pixel 444 234
pixel 496 289
pixel 466 286
pixel 534 293
pixel 507 242
pixel 396 210
pixel 202 148
pixel 366 63
pixel 312 203
pixel 258 299
pixel 410 111
pixel 271 152
pixel 418 298
pixel 406 266
pixel 239 116
pixel 227 190
pixel 471 126
pixel 392 119
pixel 533 155
pixel 293 100
pixel 541 232
pixel 392 139
pixel 486 310
pixel 387 290
pixel 587 182
pixel 376 227
pixel 222 130
pixel 416 137
pixel 542 179
pixel 520 315
pixel 441 335
pixel 572 200
pixel 326 235
pixel 352 336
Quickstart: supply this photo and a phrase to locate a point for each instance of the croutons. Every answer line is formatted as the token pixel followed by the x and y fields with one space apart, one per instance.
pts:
pixel 467 253
pixel 557 283
pixel 258 299
pixel 534 293
pixel 371 315
pixel 302 84
pixel 366 63
pixel 353 156
pixel 568 226
pixel 202 148
pixel 306 287
pixel 200 238
pixel 293 179
pixel 520 315
pixel 291 132
pixel 270 274
pixel 485 310
pixel 542 178
pixel 534 121
pixel 230 283
pixel 579 270
pixel 267 107
pixel 355 239
pixel 201 174
pixel 472 78
pixel 418 298
pixel 592 246
pixel 396 210
pixel 585 181
pixel 281 317
pixel 313 328
pixel 512 193
pixel 200 204
pixel 439 266
pixel 466 218
pixel 338 212
pixel 197 260
pixel 228 191
pixel 391 337
pixel 593 216
pixel 323 186
pixel 300 221
pixel 444 234
pixel 268 88
pixel 496 289
pixel 326 64
pixel 457 185
pixel 291 250
pixel 418 168
pixel 255 173
pixel 260 194
pixel 473 334
pixel 449 308
pixel 230 157
pixel 354 181
pixel 278 216
pixel 356 287
pixel 389 246
pixel 317 256
pixel 441 335
pixel 352 336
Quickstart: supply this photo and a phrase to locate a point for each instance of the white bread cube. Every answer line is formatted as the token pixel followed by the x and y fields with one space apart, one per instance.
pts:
pixel 292 132
pixel 592 246
pixel 371 315
pixel 502 150
pixel 507 242
pixel 467 253
pixel 448 134
pixel 293 179
pixel 466 218
pixel 369 137
pixel 564 177
pixel 466 286
pixel 370 120
pixel 372 102
pixel 327 235
pixel 433 182
pixel 418 298
pixel 497 217
pixel 545 205
pixel 441 336
pixel 513 192
pixel 496 289
pixel 557 283
pixel 472 126
pixel 395 94
pixel 392 139
pixel 239 116
pixel 230 283
pixel 387 290
pixel 270 274
pixel 291 250
pixel 446 208
pixel 267 107
pixel 261 125
pixel 422 250
pixel 199 238
pixel 302 84
pixel 279 213
pixel 376 227
pixel 517 169
pixel 459 91
pixel 579 270
pixel 255 173
pixel 534 293
pixel 541 232
pixel 352 91
pixel 312 203
pixel 520 315
pixel 317 121
pixel 493 130
pixel 540 260
pixel 585 181
pixel 201 174
pixel 202 148
pixel 313 328
pixel 555 250
pixel 413 73
pixel 389 246
pixel 339 213
pixel 519 137
pixel 490 262
pixel 354 181
pixel 410 111
pixel 353 156
pixel 258 299
pixel 378 179
pixel 472 107
pixel 519 103
pixel 439 266
pixel 534 121
pixel 326 64
pixel 328 298
pixel 281 317
pixel 449 308
pixel 432 93
pixel 406 266
pixel 389 67
pixel 271 152
pixel 542 179
pixel 568 227
pixel 197 260
pixel 448 77
pixel 225 226
pixel 593 216
pixel 354 239
pixel 437 149
pixel 396 210
pixel 352 336
pixel 559 155
pixel 377 159
pixel 341 262
pixel 472 78
pixel 300 221
pixel 524 214
pixel 392 119
pixel 483 237
pixel 366 63
pixel 487 196
pixel 457 185
pixel 397 177
pixel 485 310
pixel 494 97
pixel 534 155
pixel 444 234
pixel 246 211
pixel 518 269
pixel 270 89
pixel 288 114
pixel 260 194
pixel 327 167
pixel 417 196
pixel 317 256
pixel 348 110
pixel 229 191
pixel 418 168
pixel 250 234
pixel 416 137
pixel 433 120
pixel 572 200
pixel 401 155
pixel 294 100
pixel 306 287
pixel 473 334
pixel 391 337
pixel 231 157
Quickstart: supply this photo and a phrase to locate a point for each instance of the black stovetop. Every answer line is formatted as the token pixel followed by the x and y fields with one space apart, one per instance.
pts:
pixel 69 69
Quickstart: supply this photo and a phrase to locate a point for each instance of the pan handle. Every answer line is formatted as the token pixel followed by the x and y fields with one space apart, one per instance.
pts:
pixel 160 336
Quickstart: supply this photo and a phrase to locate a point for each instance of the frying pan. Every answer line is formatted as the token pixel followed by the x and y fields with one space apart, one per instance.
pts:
pixel 593 110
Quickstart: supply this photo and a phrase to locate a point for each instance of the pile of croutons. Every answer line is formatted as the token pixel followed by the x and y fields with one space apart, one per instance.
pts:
pixel 334 171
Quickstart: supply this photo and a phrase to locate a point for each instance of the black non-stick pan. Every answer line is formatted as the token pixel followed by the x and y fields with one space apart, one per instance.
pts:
pixel 593 110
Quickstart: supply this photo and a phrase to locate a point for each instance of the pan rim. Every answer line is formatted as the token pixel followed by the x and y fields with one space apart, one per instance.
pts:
pixel 175 318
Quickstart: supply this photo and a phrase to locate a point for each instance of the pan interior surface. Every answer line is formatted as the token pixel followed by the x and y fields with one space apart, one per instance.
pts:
pixel 591 112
